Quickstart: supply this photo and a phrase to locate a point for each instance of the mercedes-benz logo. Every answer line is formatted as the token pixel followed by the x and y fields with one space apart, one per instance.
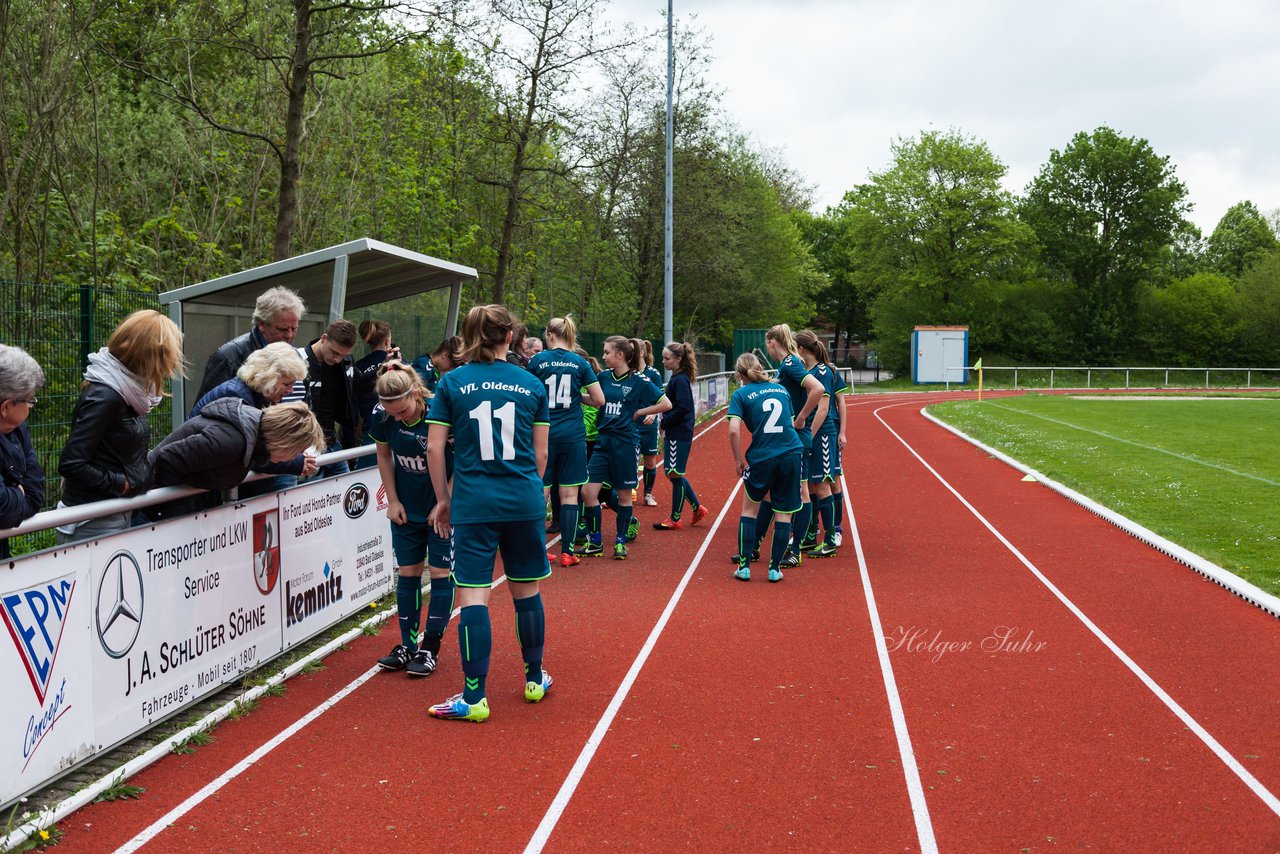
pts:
pixel 120 601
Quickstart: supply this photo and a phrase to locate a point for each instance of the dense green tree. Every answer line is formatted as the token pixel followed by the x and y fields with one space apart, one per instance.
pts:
pixel 1258 311
pixel 1192 322
pixel 936 234
pixel 1242 237
pixel 1104 208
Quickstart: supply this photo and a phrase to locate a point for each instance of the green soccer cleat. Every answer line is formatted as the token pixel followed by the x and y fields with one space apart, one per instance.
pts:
pixel 633 529
pixel 535 691
pixel 619 551
pixel 453 709
pixel 826 549
pixel 590 549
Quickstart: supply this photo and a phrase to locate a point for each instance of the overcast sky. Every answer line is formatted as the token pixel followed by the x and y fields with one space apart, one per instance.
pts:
pixel 832 82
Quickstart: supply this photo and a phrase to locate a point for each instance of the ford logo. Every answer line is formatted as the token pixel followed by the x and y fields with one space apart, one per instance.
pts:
pixel 356 501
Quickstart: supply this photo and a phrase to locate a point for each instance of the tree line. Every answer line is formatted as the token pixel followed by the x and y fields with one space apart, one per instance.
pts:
pixel 1095 264
pixel 148 144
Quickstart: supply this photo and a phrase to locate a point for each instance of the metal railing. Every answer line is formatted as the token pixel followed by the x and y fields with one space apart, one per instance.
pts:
pixel 1097 377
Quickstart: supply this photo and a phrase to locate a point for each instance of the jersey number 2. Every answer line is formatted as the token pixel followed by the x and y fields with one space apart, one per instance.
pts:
pixel 773 407
pixel 484 414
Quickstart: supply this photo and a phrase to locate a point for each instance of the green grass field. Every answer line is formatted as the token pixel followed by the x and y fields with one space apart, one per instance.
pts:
pixel 1203 473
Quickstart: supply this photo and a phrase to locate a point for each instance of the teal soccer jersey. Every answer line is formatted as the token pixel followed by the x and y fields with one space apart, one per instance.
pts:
pixel 765 410
pixel 830 381
pixel 565 375
pixel 408 445
pixel 624 396
pixel 791 374
pixel 491 408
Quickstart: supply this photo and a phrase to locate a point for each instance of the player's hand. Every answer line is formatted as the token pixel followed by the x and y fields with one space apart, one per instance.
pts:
pixel 649 419
pixel 797 423
pixel 741 467
pixel 841 442
pixel 439 519
pixel 395 512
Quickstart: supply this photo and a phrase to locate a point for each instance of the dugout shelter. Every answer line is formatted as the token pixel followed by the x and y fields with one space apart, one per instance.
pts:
pixel 333 282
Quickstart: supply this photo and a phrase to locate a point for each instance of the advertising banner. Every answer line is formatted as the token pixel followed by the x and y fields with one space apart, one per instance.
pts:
pixel 179 609
pixel 335 553
pixel 46 721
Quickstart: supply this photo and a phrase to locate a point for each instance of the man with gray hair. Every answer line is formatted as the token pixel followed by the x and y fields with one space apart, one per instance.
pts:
pixel 23 489
pixel 275 318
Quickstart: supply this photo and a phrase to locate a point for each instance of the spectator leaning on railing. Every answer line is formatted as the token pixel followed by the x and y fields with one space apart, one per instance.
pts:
pixel 217 448
pixel 106 453
pixel 23 492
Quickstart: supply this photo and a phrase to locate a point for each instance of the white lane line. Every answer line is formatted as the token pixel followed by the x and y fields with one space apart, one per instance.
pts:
pixel 570 785
pixel 915 788
pixel 240 767
pixel 1185 457
pixel 1272 802
pixel 245 764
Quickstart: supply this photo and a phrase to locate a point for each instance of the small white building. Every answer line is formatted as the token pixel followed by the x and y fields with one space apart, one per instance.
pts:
pixel 940 354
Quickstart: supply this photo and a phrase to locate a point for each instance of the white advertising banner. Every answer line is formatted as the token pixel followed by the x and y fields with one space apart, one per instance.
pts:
pixel 335 551
pixel 179 609
pixel 46 720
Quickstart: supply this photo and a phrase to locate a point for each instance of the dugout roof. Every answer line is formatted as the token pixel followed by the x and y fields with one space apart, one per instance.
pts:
pixel 332 282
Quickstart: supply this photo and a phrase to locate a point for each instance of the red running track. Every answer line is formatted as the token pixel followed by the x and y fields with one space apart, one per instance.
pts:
pixel 691 709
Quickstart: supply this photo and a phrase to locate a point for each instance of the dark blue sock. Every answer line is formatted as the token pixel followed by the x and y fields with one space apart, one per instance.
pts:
pixel 624 519
pixel 689 494
pixel 800 522
pixel 781 536
pixel 763 518
pixel 827 509
pixel 475 640
pixel 811 533
pixel 409 608
pixel 650 475
pixel 439 609
pixel 531 629
pixel 593 522
pixel 839 499
pixel 746 539
pixel 677 498
pixel 568 525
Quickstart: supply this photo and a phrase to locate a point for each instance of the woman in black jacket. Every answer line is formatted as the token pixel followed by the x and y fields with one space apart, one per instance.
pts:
pixel 23 490
pixel 106 453
pixel 218 447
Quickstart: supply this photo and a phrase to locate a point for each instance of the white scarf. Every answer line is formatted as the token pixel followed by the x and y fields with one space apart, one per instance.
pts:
pixel 107 369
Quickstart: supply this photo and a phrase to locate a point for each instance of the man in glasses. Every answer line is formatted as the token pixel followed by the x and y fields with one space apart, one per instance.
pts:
pixel 276 315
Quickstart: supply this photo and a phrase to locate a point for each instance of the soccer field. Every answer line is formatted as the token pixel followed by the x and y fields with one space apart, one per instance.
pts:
pixel 1202 472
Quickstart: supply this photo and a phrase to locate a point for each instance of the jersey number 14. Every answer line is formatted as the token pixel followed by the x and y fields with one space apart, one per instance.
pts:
pixel 558 391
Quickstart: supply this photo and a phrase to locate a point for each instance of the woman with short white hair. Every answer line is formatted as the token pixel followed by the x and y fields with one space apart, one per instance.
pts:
pixel 23 492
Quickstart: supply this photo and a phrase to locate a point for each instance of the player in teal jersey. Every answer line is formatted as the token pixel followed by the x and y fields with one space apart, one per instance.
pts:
pixel 824 455
pixel 441 360
pixel 771 466
pixel 648 429
pixel 806 395
pixel 627 398
pixel 497 413
pixel 399 429
pixel 570 382
pixel 837 486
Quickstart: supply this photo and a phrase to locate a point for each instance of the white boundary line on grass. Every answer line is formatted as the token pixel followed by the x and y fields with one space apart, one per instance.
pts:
pixel 579 769
pixel 915 788
pixel 1248 592
pixel 1130 442
pixel 1254 785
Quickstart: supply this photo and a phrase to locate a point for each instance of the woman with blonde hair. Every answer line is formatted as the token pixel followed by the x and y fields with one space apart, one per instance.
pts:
pixel 805 393
pixel 569 381
pixel 824 456
pixel 497 414
pixel 400 431
pixel 106 451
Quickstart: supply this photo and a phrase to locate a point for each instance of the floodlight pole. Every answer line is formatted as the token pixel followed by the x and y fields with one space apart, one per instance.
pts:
pixel 667 274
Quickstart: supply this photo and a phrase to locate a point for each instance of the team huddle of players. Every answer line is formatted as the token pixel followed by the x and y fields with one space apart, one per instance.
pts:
pixel 470 453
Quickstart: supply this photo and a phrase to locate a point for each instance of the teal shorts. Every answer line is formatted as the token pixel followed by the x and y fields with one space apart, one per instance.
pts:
pixel 522 545
pixel 777 479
